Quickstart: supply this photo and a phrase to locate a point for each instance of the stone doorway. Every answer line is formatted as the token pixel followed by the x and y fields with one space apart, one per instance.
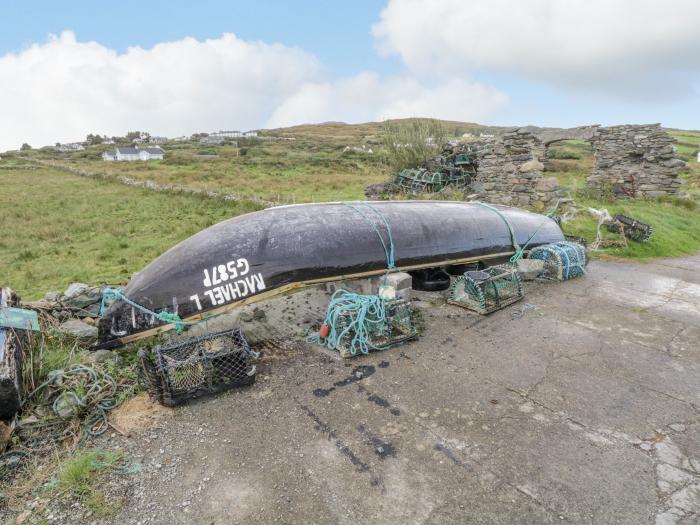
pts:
pixel 571 161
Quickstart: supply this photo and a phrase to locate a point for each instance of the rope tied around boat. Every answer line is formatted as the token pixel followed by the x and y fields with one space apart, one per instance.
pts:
pixel 354 317
pixel 389 252
pixel 116 294
pixel 519 250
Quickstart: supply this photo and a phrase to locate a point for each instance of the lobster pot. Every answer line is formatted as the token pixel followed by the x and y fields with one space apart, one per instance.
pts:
pixel 178 372
pixel 398 326
pixel 486 291
pixel 562 260
pixel 630 228
pixel 424 181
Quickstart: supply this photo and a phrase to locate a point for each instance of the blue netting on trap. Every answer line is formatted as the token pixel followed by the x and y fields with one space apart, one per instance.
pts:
pixel 562 260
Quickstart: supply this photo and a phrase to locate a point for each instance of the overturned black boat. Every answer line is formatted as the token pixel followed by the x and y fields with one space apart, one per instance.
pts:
pixel 257 255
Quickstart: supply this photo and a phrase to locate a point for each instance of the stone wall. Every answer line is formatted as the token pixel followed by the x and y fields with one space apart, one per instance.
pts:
pixel 635 161
pixel 511 171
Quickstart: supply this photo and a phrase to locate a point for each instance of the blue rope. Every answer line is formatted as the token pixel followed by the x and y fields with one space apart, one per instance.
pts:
pixel 360 313
pixel 519 250
pixel 389 252
pixel 116 294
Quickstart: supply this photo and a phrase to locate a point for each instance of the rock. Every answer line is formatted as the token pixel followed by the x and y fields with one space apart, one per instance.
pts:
pixel 102 356
pixel 75 289
pixel 52 297
pixel 531 165
pixel 88 297
pixel 678 427
pixel 547 184
pixel 78 329
pixel 529 269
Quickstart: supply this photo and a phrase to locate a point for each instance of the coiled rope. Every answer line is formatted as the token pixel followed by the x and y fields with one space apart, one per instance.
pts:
pixel 351 316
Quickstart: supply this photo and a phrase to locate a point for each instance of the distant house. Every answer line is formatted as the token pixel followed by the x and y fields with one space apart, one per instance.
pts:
pixel 68 148
pixel 157 140
pixel 227 134
pixel 698 156
pixel 132 154
pixel 107 141
pixel 212 139
pixel 250 134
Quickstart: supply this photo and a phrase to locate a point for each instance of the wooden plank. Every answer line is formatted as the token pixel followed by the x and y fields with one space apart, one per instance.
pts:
pixel 10 365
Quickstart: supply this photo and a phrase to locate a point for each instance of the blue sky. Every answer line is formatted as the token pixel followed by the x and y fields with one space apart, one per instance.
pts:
pixel 69 68
pixel 338 33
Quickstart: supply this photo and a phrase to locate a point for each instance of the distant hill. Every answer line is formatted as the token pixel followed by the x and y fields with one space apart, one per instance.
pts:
pixel 355 131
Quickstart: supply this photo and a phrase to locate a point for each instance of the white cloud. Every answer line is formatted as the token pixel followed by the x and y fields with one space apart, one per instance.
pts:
pixel 642 47
pixel 368 97
pixel 63 89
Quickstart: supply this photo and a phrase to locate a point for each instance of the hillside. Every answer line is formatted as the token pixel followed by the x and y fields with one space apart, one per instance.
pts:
pixel 96 229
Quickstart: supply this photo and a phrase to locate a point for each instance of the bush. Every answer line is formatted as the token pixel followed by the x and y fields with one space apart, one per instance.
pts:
pixel 562 154
pixel 410 144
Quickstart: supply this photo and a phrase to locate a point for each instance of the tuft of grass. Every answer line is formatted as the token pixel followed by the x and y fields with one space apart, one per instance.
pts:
pixel 78 473
pixel 410 144
pixel 80 477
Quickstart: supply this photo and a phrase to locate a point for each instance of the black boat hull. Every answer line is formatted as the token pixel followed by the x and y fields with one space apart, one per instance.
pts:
pixel 254 256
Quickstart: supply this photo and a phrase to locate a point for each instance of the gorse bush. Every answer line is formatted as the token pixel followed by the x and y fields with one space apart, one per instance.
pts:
pixel 410 144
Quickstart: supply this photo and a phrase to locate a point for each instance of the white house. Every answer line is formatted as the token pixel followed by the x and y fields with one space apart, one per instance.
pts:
pixel 250 134
pixel 698 156
pixel 131 154
pixel 157 140
pixel 230 133
pixel 73 146
pixel 212 139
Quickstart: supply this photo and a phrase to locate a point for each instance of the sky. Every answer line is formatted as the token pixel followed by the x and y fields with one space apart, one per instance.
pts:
pixel 174 68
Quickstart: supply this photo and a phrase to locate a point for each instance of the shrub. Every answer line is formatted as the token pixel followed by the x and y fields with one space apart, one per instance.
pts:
pixel 410 144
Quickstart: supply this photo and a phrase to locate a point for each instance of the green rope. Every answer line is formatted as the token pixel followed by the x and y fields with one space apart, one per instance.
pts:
pixel 519 250
pixel 389 252
pixel 164 316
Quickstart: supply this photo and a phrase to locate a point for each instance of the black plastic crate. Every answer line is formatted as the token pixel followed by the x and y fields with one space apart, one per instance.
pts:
pixel 177 372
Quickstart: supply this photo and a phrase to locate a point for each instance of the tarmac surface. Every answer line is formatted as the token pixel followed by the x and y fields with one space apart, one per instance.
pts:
pixel 584 409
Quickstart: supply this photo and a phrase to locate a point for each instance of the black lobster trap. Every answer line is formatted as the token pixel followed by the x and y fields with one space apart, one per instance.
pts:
pixel 630 228
pixel 488 290
pixel 177 372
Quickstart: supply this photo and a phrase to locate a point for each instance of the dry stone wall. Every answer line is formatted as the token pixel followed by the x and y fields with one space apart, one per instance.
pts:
pixel 636 161
pixel 511 171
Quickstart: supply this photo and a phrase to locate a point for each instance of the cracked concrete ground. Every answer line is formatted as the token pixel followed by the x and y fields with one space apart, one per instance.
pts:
pixel 584 410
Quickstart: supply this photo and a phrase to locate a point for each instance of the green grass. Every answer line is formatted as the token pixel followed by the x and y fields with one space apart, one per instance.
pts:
pixel 80 476
pixel 60 228
pixel 676 225
pixel 63 228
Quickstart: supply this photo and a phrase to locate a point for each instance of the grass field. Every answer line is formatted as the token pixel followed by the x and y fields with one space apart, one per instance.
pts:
pixel 61 228
pixel 65 228
pixel 676 221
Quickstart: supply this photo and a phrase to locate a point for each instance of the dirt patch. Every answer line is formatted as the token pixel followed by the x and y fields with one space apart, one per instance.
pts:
pixel 138 414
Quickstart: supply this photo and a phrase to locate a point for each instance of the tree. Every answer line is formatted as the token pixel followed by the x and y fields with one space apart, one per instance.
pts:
pixel 132 135
pixel 25 147
pixel 93 139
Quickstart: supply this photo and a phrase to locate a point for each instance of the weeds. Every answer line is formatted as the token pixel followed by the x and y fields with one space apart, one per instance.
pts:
pixel 410 144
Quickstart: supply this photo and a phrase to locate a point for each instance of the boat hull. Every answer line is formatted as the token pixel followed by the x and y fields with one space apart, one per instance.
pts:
pixel 253 256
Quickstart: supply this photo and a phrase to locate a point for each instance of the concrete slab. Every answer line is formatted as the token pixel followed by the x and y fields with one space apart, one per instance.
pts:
pixel 581 410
